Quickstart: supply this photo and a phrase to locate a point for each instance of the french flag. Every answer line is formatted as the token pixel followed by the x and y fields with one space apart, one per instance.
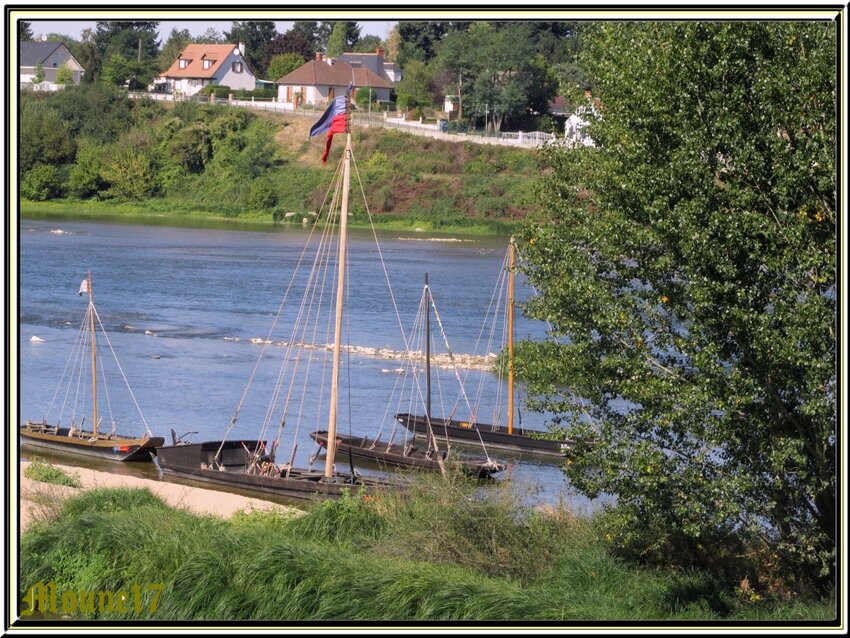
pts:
pixel 332 121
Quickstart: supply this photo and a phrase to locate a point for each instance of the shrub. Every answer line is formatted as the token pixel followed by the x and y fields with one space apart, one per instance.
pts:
pixel 38 470
pixel 41 183
pixel 262 194
pixel 85 177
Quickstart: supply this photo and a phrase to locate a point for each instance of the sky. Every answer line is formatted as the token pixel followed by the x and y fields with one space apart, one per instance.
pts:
pixel 74 28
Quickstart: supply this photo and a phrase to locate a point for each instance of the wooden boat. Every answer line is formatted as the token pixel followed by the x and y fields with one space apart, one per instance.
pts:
pixel 494 436
pixel 407 454
pixel 412 456
pixel 251 465
pixel 75 438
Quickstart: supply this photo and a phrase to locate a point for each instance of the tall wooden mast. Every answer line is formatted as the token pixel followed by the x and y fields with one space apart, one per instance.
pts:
pixel 511 337
pixel 93 358
pixel 340 297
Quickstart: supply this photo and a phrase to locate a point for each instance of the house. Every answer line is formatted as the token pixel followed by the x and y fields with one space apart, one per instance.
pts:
pixel 50 56
pixel 200 65
pixel 375 63
pixel 321 79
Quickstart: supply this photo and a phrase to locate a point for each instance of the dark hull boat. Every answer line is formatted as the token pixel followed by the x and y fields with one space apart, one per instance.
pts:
pixel 95 442
pixel 494 436
pixel 102 446
pixel 238 467
pixel 407 456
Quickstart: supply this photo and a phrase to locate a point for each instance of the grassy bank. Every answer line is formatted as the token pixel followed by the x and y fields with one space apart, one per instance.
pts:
pixel 160 212
pixel 448 551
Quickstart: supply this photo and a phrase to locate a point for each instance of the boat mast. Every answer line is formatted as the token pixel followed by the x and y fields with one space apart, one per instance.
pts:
pixel 93 359
pixel 427 353
pixel 340 293
pixel 511 337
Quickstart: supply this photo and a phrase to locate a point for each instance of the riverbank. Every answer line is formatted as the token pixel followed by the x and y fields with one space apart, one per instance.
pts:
pixel 39 500
pixel 160 213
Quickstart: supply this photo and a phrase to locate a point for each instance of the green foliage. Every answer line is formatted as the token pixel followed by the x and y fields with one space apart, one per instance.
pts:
pixel 261 194
pixel 129 173
pixel 44 136
pixel 84 179
pixel 219 90
pixel 284 63
pixel 687 266
pixel 41 182
pixel 64 75
pixel 191 147
pixel 390 557
pixel 38 470
pixel 38 76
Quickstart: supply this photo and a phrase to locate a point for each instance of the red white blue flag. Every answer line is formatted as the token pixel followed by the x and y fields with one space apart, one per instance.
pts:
pixel 332 121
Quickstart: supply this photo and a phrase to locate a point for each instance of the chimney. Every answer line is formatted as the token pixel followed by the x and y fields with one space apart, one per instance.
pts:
pixel 318 55
pixel 380 52
pixel 241 48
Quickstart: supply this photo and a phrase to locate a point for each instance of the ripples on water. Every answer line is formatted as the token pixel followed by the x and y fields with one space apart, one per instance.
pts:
pixel 182 305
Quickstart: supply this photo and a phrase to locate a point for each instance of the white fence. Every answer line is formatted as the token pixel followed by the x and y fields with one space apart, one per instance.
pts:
pixel 519 138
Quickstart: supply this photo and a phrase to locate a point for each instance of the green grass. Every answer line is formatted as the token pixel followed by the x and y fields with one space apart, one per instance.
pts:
pixel 38 470
pixel 448 551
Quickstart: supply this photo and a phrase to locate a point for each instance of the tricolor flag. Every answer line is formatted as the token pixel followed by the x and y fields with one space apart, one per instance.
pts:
pixel 84 287
pixel 332 121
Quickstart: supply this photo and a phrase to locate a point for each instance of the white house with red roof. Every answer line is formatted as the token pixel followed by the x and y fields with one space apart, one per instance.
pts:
pixel 200 65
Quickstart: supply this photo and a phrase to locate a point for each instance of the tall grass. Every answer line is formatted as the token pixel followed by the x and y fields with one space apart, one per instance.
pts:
pixel 446 551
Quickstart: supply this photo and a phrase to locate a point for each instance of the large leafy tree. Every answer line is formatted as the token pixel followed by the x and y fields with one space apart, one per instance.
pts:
pixel 687 266
pixel 289 42
pixel 134 41
pixel 256 35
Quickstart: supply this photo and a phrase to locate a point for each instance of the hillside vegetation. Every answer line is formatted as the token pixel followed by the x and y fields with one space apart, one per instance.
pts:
pixel 216 160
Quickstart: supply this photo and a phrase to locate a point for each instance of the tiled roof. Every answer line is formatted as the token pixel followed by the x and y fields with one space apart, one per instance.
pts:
pixel 35 53
pixel 320 73
pixel 196 54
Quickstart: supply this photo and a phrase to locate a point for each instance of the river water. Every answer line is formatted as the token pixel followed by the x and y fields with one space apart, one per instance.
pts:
pixel 181 307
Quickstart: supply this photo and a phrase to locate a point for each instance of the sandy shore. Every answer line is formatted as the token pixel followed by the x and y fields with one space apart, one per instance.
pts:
pixel 37 498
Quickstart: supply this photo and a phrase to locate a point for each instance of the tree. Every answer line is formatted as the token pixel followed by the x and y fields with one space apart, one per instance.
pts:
pixel 25 31
pixel 134 41
pixel 307 31
pixel 367 44
pixel 687 266
pixel 256 35
pixel 283 64
pixel 211 36
pixel 44 135
pixel 416 83
pixel 289 42
pixel 337 43
pixel 38 76
pixel 173 47
pixel 64 75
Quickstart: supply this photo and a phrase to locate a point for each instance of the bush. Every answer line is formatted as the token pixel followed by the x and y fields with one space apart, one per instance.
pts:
pixel 38 470
pixel 85 178
pixel 219 90
pixel 41 183
pixel 262 194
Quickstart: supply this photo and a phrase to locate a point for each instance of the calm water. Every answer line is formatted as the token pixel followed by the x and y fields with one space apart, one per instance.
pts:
pixel 180 306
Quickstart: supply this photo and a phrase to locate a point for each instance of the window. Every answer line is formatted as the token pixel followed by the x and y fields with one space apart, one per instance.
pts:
pixel 184 63
pixel 236 67
pixel 208 63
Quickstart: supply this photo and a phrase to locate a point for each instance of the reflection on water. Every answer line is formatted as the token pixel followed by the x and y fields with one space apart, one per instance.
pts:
pixel 187 310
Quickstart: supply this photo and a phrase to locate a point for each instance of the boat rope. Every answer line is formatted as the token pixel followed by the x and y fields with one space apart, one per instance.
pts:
pixel 121 370
pixel 234 419
pixel 76 353
pixel 451 356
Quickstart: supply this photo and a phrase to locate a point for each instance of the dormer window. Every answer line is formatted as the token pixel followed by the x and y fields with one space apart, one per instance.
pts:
pixel 208 63
pixel 184 63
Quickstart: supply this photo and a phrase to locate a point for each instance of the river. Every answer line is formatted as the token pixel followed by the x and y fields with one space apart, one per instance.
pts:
pixel 181 307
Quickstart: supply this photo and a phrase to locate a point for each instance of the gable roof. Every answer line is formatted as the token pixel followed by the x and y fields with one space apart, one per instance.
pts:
pixel 196 54
pixel 319 72
pixel 35 53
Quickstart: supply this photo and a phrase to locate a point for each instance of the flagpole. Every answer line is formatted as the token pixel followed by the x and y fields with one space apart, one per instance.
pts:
pixel 93 358
pixel 340 295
